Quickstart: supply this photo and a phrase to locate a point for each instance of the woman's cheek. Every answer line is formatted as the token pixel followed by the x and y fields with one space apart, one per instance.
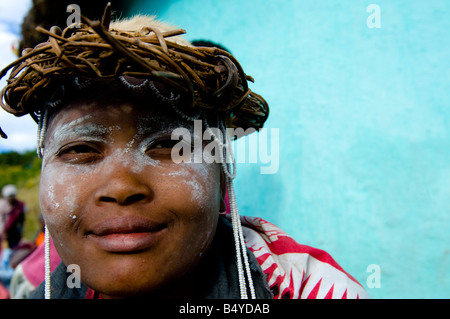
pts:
pixel 59 200
pixel 203 195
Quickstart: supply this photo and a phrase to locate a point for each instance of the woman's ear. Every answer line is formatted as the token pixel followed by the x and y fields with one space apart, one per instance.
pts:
pixel 223 192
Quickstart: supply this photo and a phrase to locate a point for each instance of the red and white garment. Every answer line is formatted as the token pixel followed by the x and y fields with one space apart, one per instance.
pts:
pixel 297 271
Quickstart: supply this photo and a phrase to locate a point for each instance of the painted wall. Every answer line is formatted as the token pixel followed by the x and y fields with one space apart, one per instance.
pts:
pixel 364 127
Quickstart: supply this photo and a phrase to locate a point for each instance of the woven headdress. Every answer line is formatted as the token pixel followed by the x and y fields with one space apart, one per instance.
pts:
pixel 210 79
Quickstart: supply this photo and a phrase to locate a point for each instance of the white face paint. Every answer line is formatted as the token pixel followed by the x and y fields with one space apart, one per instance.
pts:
pixel 97 159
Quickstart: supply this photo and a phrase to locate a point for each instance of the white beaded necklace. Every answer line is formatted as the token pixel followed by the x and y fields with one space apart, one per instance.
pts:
pixel 230 173
pixel 42 129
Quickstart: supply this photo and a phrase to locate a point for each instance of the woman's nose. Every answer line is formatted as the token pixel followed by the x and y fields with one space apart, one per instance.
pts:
pixel 124 187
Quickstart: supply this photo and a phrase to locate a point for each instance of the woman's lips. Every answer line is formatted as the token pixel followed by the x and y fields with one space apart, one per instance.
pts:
pixel 126 234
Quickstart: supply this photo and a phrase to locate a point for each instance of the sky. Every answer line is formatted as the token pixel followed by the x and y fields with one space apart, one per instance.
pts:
pixel 21 131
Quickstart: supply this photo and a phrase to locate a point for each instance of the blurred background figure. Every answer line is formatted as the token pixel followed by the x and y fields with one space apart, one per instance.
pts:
pixel 12 216
pixel 9 260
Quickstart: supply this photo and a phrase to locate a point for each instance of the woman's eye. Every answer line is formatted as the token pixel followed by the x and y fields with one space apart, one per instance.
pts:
pixel 164 144
pixel 79 149
pixel 165 148
pixel 79 153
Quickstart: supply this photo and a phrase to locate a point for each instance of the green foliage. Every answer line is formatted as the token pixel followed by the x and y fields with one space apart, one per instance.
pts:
pixel 19 168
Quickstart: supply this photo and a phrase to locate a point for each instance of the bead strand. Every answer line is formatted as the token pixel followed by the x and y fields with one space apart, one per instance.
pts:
pixel 241 249
pixel 47 288
pixel 133 87
pixel 235 223
pixel 42 129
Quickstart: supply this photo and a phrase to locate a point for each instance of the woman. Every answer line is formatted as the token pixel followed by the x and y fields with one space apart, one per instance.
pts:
pixel 135 222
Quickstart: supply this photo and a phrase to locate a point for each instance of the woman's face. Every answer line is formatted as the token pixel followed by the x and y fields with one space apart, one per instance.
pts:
pixel 117 205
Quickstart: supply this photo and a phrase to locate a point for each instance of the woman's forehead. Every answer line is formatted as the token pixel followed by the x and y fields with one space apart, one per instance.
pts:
pixel 142 117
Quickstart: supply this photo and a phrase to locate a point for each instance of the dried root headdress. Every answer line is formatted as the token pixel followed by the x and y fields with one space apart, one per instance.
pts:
pixel 209 80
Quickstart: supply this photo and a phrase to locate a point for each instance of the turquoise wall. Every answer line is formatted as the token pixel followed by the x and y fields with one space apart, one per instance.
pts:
pixel 364 125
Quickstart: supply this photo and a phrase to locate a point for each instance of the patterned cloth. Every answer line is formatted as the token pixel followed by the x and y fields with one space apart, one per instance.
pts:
pixel 296 271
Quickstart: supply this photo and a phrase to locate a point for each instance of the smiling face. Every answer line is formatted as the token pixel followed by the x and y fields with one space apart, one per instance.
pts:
pixel 118 206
